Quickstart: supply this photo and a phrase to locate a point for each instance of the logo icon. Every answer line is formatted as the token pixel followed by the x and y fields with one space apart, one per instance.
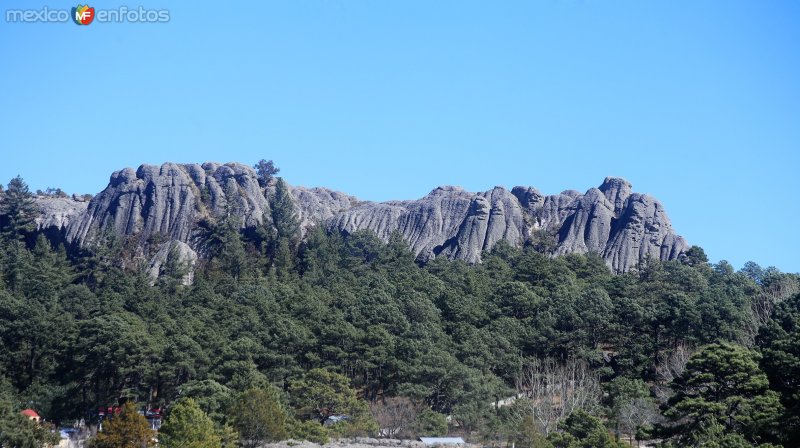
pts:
pixel 82 15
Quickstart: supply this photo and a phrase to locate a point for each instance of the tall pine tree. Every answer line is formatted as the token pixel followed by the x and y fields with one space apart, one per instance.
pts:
pixel 18 210
pixel 282 229
pixel 188 426
pixel 284 214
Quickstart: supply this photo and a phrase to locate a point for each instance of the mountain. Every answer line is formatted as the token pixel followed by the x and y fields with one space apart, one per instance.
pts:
pixel 175 201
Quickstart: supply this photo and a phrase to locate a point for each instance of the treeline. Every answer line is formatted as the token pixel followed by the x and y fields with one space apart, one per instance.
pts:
pixel 524 348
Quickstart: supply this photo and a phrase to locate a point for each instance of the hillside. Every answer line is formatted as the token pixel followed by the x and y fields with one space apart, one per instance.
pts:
pixel 308 312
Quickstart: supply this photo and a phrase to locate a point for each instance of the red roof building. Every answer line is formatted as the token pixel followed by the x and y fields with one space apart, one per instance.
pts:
pixel 31 414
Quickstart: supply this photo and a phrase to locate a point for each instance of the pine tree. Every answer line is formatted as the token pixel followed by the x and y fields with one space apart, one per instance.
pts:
pixel 265 240
pixel 284 214
pixel 279 232
pixel 322 393
pixel 226 240
pixel 723 384
pixel 284 261
pixel 16 430
pixel 259 417
pixel 18 208
pixel 187 426
pixel 232 257
pixel 265 169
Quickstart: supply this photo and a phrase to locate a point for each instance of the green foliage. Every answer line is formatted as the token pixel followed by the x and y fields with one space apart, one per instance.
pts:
pixel 630 405
pixel 780 340
pixel 528 435
pixel 284 214
pixel 723 384
pixel 695 256
pixel 212 397
pixel 187 426
pixel 430 424
pixel 258 416
pixel 18 210
pixel 230 256
pixel 83 328
pixel 581 430
pixel 309 430
pixel 228 437
pixel 322 393
pixel 16 430
pixel 265 170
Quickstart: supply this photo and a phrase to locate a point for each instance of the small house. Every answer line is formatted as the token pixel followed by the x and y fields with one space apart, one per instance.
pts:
pixel 32 415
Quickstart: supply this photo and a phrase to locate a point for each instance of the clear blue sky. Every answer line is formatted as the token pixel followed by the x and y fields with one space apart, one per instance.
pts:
pixel 696 103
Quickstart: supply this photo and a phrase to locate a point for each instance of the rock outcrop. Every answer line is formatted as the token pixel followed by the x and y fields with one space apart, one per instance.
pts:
pixel 170 200
pixel 58 213
pixel 173 201
pixel 447 222
pixel 622 227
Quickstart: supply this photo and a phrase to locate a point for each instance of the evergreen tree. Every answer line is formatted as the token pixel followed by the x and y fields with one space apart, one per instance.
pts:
pixel 309 430
pixel 266 239
pixel 279 232
pixel 18 210
pixel 582 430
pixel 780 342
pixel 430 423
pixel 322 393
pixel 230 255
pixel 284 214
pixel 16 430
pixel 187 426
pixel 228 436
pixel 213 398
pixel 284 261
pixel 174 269
pixel 265 170
pixel 259 417
pixel 695 256
pixel 723 383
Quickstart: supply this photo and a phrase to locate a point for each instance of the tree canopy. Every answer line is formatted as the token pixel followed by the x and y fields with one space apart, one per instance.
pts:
pixel 332 324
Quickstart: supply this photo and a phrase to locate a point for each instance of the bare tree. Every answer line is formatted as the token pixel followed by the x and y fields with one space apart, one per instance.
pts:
pixel 394 415
pixel 775 292
pixel 634 414
pixel 552 390
pixel 670 365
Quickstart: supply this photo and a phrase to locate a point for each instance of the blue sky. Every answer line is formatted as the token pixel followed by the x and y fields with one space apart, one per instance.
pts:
pixel 696 103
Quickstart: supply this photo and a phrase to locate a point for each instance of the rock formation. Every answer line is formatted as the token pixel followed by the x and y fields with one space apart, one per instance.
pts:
pixel 58 213
pixel 173 201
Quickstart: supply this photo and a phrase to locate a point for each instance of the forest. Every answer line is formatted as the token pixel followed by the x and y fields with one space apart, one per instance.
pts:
pixel 277 334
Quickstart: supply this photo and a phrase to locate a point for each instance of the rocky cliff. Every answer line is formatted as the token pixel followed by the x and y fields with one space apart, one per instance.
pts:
pixel 173 201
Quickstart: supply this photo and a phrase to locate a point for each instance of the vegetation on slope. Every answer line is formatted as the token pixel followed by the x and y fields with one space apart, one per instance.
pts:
pixel 299 331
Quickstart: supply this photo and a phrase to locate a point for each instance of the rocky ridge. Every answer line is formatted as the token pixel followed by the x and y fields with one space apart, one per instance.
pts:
pixel 173 201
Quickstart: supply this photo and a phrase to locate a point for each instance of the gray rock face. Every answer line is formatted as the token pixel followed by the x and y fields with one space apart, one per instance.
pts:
pixel 622 227
pixel 174 199
pixel 170 200
pixel 58 213
pixel 447 222
pixel 317 205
